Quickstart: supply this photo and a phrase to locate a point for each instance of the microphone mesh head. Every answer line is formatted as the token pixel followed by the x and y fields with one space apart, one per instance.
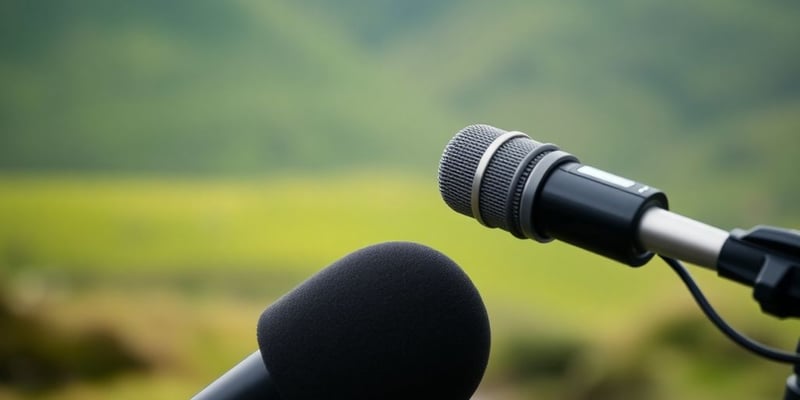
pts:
pixel 500 192
pixel 459 162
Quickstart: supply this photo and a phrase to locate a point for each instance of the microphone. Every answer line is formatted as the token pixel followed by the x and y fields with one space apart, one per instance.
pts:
pixel 534 190
pixel 391 321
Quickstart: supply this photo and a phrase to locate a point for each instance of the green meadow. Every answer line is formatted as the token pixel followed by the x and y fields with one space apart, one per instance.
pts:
pixel 178 270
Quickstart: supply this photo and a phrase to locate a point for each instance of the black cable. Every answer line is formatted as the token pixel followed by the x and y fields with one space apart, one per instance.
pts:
pixel 740 339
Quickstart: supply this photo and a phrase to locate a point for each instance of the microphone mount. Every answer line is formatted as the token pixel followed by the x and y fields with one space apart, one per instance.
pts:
pixel 768 259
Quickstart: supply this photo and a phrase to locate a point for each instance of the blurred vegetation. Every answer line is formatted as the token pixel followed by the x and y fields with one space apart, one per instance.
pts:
pixel 167 169
pixel 35 357
pixel 179 270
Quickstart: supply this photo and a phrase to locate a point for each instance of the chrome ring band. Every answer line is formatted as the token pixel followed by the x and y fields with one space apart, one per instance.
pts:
pixel 482 165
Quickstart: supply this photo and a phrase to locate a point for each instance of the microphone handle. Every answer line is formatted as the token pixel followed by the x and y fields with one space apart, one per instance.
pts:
pixel 673 235
pixel 619 218
pixel 248 380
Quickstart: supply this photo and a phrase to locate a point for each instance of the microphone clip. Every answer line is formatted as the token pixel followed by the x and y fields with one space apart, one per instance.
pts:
pixel 768 259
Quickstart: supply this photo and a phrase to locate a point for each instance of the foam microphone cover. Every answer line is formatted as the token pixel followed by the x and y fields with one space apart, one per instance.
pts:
pixel 392 321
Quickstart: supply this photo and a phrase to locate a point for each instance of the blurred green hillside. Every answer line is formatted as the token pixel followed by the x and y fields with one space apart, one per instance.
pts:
pixel 657 90
pixel 198 87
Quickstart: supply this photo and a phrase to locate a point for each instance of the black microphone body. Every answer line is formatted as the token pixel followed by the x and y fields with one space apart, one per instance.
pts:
pixel 582 210
pixel 533 190
pixel 391 321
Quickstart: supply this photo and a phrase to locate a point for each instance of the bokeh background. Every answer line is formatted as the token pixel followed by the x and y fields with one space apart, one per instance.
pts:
pixel 167 169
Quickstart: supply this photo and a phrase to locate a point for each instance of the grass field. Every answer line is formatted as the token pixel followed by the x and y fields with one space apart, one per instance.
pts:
pixel 179 270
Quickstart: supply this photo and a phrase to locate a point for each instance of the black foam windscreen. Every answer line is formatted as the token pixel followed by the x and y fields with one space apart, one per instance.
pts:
pixel 391 321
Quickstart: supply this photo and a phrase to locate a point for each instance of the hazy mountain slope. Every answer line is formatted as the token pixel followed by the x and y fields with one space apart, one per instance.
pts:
pixel 695 62
pixel 695 97
pixel 198 86
pixel 701 98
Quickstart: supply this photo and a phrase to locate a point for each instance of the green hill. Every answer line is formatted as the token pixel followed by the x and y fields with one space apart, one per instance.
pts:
pixel 198 87
pixel 699 98
pixel 659 91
